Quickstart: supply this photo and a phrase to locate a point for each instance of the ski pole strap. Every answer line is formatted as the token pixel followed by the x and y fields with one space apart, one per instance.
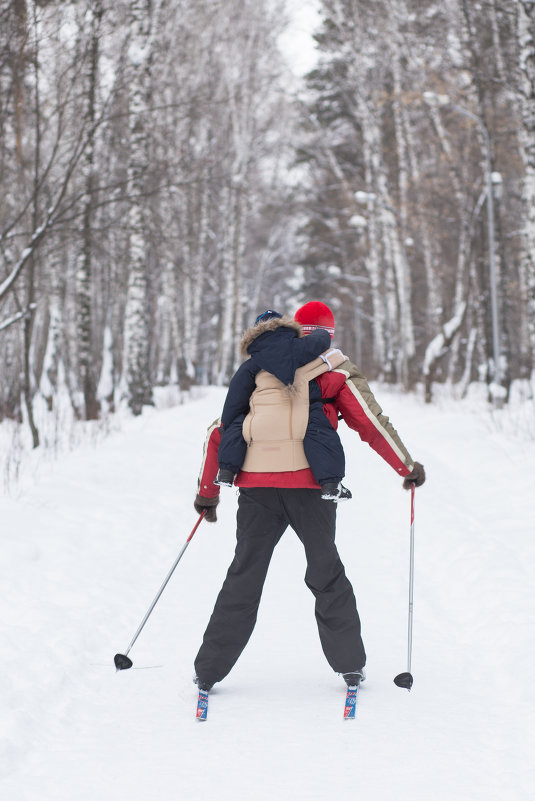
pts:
pixel 197 524
pixel 326 400
pixel 323 400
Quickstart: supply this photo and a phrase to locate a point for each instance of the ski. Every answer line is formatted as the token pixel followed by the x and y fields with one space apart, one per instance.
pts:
pixel 202 705
pixel 351 702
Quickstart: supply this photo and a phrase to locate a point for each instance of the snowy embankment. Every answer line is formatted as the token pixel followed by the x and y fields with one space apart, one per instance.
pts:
pixel 87 543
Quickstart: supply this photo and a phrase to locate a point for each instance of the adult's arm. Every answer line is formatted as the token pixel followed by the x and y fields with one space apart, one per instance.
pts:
pixel 209 466
pixel 359 408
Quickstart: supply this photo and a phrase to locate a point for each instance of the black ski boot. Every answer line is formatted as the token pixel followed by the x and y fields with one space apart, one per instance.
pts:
pixel 204 686
pixel 354 678
pixel 335 492
pixel 225 478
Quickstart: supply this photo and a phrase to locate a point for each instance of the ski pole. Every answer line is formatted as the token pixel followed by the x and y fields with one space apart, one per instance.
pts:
pixel 405 680
pixel 123 661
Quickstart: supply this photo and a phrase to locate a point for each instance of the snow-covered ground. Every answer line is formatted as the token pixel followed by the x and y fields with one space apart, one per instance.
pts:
pixel 87 541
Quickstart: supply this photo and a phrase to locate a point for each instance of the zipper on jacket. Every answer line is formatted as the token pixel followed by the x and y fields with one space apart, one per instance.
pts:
pixel 291 419
pixel 251 415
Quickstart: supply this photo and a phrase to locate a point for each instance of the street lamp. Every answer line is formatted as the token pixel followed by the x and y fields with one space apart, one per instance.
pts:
pixel 491 178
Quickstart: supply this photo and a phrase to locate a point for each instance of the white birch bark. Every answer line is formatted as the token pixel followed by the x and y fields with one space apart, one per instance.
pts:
pixel 465 230
pixel 194 272
pixel 85 323
pixel 399 229
pixel 373 259
pixel 192 347
pixel 136 324
pixel 227 282
pixel 48 385
pixel 526 71
pixel 106 384
pixel 399 341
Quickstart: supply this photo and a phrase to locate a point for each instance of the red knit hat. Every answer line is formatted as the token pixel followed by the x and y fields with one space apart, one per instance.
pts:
pixel 315 314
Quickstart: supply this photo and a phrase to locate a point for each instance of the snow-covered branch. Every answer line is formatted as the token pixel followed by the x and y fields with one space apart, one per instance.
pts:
pixel 439 347
pixel 16 317
pixel 28 251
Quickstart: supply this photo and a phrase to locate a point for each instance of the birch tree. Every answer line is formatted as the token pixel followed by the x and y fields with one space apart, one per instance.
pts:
pixel 526 86
pixel 139 57
pixel 85 324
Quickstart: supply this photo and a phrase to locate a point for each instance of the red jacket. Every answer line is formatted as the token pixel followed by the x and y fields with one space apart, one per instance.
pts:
pixel 347 393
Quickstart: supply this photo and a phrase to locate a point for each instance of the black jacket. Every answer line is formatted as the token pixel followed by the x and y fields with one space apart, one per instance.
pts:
pixel 277 347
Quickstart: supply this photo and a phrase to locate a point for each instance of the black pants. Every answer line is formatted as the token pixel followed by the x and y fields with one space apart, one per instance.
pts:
pixel 263 516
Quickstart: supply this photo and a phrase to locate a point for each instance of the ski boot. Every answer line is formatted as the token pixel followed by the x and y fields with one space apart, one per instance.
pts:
pixel 225 478
pixel 355 677
pixel 331 491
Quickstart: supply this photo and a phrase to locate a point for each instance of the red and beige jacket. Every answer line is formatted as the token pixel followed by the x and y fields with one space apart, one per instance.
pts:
pixel 346 392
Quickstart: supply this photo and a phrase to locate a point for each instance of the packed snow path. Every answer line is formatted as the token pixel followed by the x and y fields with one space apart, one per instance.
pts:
pixel 86 546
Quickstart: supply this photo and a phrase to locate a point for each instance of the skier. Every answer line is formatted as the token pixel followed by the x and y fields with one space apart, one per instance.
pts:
pixel 277 348
pixel 270 500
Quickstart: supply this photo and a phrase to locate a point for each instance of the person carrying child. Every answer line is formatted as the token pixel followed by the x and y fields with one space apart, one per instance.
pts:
pixel 270 500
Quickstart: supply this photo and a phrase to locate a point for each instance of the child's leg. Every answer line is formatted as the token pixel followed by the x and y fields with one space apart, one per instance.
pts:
pixel 324 451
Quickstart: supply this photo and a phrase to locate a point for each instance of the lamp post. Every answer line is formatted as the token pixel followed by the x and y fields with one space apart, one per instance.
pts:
pixel 443 100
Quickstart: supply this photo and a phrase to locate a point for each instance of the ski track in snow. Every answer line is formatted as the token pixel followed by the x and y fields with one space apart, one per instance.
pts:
pixel 86 546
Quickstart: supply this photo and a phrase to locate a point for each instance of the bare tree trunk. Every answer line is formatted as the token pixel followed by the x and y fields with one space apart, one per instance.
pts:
pixel 19 69
pixel 238 251
pixel 465 232
pixel 28 383
pixel 51 363
pixel 526 50
pixel 374 259
pixel 400 226
pixel 136 323
pixel 399 335
pixel 479 81
pixel 86 351
pixel 191 348
pixel 227 283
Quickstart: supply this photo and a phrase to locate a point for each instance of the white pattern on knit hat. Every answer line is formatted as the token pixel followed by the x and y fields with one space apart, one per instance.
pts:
pixel 307 329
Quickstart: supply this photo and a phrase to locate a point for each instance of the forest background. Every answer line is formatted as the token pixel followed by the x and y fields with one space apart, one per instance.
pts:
pixel 165 176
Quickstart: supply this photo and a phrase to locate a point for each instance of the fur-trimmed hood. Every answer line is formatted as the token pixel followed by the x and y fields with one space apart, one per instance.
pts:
pixel 255 331
pixel 280 347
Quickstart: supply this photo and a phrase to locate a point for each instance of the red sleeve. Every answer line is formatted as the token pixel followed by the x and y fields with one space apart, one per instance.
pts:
pixel 209 465
pixel 373 428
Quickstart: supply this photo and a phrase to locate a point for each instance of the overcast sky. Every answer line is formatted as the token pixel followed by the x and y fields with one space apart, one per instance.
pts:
pixel 297 42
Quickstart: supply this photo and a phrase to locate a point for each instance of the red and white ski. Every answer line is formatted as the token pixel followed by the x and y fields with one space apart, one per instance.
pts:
pixel 202 705
pixel 351 703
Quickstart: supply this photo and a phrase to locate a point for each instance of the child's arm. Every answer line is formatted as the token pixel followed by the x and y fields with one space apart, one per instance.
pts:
pixel 232 448
pixel 309 347
pixel 241 387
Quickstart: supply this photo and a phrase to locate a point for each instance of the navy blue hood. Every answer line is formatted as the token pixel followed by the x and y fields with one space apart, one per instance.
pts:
pixel 273 352
pixel 279 347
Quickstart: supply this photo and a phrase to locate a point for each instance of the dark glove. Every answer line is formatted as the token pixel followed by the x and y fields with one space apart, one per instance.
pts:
pixel 416 477
pixel 200 503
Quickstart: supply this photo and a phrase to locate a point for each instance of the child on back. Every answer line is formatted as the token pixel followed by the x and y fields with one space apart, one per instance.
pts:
pixel 276 345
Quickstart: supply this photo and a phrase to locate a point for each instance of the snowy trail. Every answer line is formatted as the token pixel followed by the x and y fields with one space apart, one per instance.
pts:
pixel 86 547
